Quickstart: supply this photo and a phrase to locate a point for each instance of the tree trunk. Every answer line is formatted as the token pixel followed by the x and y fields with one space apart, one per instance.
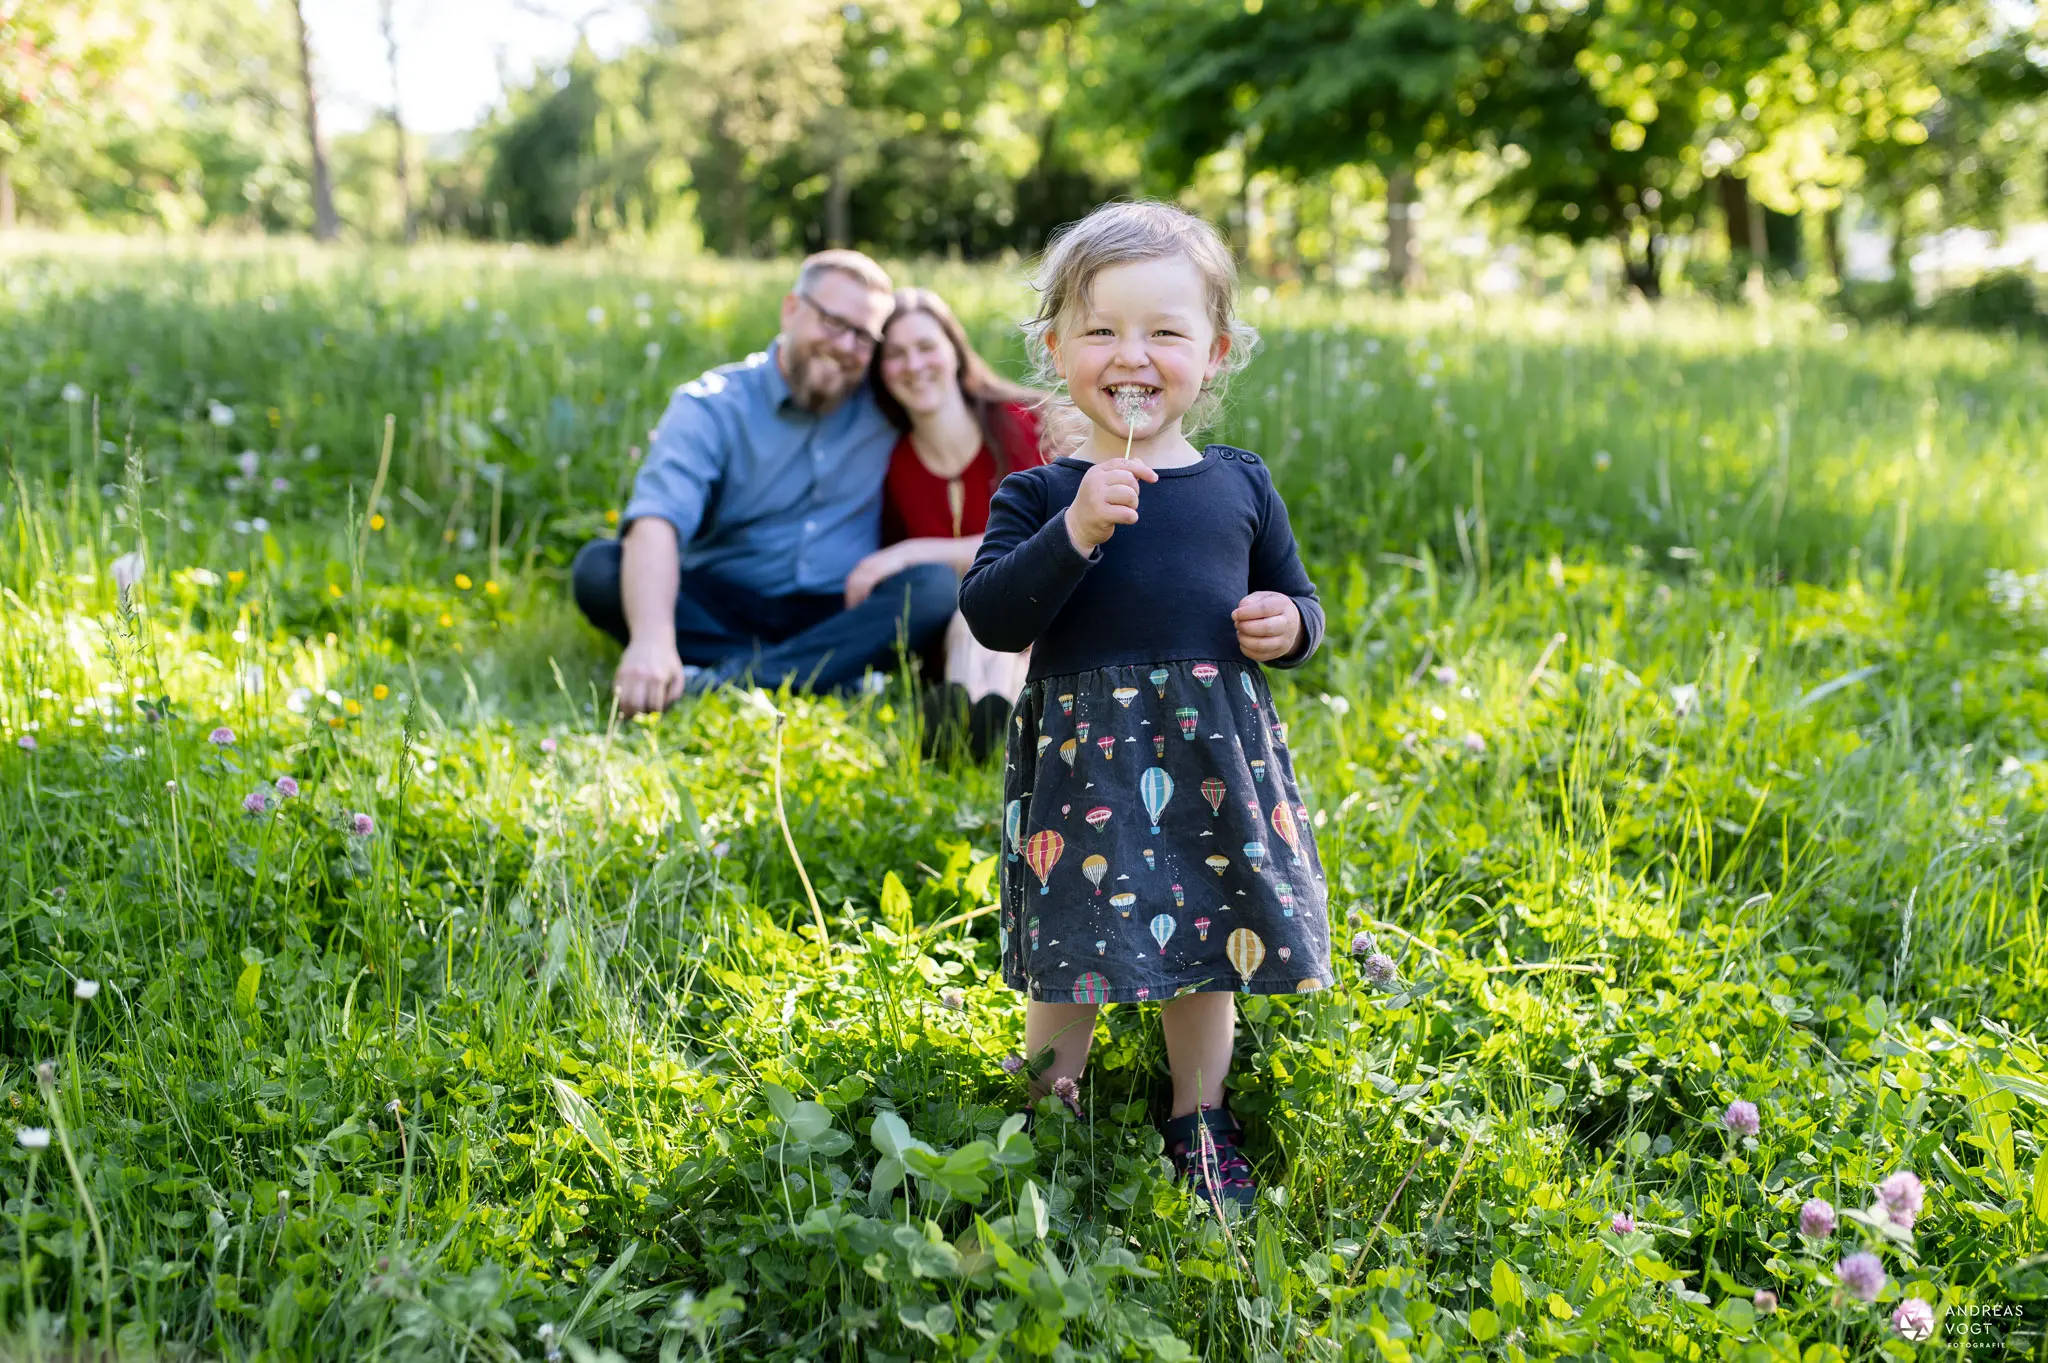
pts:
pixel 1733 193
pixel 398 167
pixel 1645 275
pixel 1831 237
pixel 325 224
pixel 1400 230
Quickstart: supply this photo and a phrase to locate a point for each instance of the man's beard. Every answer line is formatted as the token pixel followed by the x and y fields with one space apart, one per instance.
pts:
pixel 816 380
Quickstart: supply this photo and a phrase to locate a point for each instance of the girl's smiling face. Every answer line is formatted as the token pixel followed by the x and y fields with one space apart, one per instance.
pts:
pixel 1142 333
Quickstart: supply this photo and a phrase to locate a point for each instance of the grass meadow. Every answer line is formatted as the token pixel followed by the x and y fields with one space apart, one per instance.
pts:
pixel 1682 734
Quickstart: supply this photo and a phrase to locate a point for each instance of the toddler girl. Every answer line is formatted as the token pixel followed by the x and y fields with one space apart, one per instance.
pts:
pixel 1156 845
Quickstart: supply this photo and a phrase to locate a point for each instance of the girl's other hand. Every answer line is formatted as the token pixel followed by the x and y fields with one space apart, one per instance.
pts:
pixel 1268 626
pixel 1108 498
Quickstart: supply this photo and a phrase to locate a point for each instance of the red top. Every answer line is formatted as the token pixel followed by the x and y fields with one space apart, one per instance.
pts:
pixel 918 504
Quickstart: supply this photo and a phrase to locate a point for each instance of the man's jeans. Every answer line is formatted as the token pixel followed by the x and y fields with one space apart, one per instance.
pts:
pixel 809 640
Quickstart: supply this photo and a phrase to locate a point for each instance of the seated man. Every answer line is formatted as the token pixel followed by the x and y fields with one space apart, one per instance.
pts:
pixel 761 490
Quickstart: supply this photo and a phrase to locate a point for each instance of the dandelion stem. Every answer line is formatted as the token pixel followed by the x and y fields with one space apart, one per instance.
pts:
pixel 92 1215
pixel 28 1276
pixel 789 839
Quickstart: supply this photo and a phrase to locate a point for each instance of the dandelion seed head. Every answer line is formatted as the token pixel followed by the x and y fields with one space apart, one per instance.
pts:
pixel 46 1073
pixel 219 413
pixel 33 1137
pixel 72 393
pixel 84 990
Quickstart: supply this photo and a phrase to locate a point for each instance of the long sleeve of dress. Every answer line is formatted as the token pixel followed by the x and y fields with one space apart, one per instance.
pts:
pixel 1026 568
pixel 1276 567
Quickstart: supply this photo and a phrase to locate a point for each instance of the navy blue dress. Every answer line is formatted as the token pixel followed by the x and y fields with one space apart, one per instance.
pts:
pixel 1155 839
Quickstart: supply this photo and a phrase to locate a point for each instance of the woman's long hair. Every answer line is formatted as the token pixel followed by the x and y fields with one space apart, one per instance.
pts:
pixel 989 395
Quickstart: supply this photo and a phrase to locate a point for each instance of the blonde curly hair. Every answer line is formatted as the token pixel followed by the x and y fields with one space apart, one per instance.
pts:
pixel 1125 233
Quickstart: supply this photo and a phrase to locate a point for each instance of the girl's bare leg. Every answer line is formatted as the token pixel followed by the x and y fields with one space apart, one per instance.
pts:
pixel 1201 1030
pixel 1068 1029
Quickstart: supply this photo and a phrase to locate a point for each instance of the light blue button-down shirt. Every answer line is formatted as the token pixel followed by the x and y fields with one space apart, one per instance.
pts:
pixel 763 494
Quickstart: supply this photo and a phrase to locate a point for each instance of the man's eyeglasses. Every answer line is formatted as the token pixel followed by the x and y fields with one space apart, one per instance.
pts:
pixel 839 326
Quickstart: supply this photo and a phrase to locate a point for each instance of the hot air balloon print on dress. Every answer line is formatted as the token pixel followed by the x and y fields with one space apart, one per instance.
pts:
pixel 1286 894
pixel 1095 868
pixel 1044 742
pixel 1202 928
pixel 1255 853
pixel 1246 952
pixel 1180 897
pixel 1162 930
pixel 1280 734
pixel 1034 934
pixel 1155 787
pixel 1091 988
pixel 1205 673
pixel 1143 993
pixel 1216 862
pixel 1284 953
pixel 1259 770
pixel 1081 728
pixel 1067 702
pixel 1150 864
pixel 1189 717
pixel 1159 747
pixel 1013 825
pixel 1042 853
pixel 1159 679
pixel 1251 692
pixel 1290 832
pixel 1124 695
pixel 1213 791
pixel 1097 817
pixel 1108 745
pixel 1067 753
pixel 1122 902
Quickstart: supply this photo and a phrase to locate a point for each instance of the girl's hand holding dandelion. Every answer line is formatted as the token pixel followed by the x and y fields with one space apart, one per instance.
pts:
pixel 1108 498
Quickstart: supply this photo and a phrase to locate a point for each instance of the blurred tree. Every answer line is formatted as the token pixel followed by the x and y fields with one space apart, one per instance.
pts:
pixel 1303 87
pixel 325 224
pixel 398 167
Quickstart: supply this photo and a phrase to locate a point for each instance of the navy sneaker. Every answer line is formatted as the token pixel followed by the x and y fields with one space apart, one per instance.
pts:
pixel 1204 1147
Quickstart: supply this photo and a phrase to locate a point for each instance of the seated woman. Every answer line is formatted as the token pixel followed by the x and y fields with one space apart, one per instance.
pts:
pixel 964 427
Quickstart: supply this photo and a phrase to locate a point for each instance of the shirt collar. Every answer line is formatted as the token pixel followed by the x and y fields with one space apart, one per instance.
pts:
pixel 778 387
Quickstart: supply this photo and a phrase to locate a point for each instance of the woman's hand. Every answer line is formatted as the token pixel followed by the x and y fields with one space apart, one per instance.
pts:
pixel 1108 498
pixel 871 572
pixel 1268 626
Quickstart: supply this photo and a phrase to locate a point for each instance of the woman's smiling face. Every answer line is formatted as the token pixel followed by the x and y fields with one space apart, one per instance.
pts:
pixel 1141 340
pixel 920 367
